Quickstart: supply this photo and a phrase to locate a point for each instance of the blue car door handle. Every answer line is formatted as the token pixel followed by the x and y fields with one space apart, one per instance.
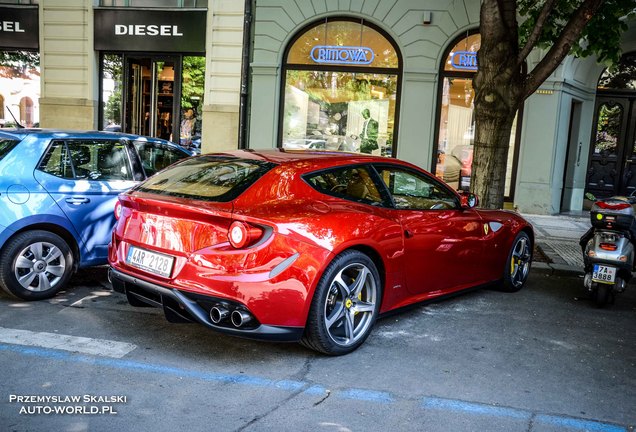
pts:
pixel 78 200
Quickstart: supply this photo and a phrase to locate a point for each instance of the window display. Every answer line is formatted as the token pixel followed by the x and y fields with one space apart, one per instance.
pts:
pixel 341 85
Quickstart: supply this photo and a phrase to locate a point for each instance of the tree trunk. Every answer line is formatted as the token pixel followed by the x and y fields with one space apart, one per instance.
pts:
pixel 498 94
pixel 490 155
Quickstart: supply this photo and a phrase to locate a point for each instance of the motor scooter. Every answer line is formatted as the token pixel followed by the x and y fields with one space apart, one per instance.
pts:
pixel 608 248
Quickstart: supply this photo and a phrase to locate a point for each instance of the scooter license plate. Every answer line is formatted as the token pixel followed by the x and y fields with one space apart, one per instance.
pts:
pixel 604 274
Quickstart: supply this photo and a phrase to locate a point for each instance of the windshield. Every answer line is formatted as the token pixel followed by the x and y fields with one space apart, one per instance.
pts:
pixel 209 178
pixel 6 145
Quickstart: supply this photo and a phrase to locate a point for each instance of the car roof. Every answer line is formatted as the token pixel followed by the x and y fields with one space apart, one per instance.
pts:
pixel 309 160
pixel 21 133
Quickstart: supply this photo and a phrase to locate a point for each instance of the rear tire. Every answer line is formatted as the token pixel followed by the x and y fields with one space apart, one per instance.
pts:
pixel 602 295
pixel 345 305
pixel 35 265
pixel 517 266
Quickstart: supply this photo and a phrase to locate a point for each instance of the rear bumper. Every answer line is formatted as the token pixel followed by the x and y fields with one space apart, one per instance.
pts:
pixel 182 306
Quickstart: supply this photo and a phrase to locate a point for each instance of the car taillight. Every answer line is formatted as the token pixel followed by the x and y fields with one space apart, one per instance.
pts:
pixel 612 205
pixel 242 234
pixel 117 210
pixel 608 246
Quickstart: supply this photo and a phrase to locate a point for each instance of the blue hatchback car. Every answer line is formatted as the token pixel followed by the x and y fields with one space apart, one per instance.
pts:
pixel 58 191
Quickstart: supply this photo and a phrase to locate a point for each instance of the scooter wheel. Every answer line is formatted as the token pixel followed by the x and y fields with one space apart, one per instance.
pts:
pixel 602 295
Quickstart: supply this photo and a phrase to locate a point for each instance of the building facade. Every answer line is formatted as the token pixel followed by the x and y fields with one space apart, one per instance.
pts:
pixel 161 51
pixel 384 77
pixel 410 64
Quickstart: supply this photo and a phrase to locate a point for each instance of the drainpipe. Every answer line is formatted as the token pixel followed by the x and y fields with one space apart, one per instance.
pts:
pixel 245 74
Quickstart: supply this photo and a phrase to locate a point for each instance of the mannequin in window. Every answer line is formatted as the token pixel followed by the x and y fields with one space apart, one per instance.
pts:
pixel 369 133
pixel 187 127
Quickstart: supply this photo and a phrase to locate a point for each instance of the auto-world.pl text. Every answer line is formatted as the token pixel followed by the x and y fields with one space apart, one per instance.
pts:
pixel 70 404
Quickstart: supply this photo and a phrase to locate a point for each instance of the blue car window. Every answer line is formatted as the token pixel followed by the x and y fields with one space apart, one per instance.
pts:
pixel 100 160
pixel 6 145
pixel 88 160
pixel 155 157
pixel 57 162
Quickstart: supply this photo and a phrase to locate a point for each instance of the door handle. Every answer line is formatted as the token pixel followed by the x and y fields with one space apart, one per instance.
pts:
pixel 78 200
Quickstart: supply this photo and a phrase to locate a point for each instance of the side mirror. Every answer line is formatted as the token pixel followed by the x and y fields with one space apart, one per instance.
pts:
pixel 468 199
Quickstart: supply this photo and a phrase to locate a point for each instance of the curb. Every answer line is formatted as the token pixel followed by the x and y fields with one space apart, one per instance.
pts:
pixel 556 269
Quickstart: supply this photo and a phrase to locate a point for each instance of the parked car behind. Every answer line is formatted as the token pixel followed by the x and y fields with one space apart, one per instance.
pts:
pixel 58 190
pixel 306 246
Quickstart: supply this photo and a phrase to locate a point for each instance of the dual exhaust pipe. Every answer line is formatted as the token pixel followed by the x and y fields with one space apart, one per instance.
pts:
pixel 237 317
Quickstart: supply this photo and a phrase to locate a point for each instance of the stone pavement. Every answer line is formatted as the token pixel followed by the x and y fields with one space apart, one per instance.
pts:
pixel 558 237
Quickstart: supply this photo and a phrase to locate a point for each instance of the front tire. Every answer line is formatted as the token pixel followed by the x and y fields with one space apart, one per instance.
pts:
pixel 35 265
pixel 517 266
pixel 345 305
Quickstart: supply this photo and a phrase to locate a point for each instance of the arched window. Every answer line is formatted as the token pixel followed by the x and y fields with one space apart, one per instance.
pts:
pixel 26 111
pixel 341 85
pixel 456 132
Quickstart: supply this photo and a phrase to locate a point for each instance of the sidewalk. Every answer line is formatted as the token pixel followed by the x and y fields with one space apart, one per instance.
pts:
pixel 558 237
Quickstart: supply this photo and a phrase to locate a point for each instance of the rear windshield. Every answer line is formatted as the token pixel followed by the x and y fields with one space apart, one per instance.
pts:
pixel 6 145
pixel 208 178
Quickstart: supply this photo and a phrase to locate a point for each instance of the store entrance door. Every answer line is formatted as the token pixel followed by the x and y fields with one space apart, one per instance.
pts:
pixel 612 166
pixel 152 89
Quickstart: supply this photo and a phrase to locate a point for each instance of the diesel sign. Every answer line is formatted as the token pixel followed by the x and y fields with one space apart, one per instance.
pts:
pixel 19 28
pixel 156 30
pixel 11 26
pixel 147 30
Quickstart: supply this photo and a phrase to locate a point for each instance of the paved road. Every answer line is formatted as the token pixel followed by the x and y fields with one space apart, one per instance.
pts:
pixel 544 359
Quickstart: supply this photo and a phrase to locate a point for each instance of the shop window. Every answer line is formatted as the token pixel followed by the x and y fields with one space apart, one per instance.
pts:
pixel 159 96
pixel 456 132
pixel 341 84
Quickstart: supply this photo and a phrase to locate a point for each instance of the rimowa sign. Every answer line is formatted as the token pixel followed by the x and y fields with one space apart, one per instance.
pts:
pixel 350 55
pixel 19 28
pixel 150 30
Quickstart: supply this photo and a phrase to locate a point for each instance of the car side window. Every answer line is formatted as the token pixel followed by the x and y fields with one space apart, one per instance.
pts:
pixel 155 157
pixel 352 182
pixel 87 160
pixel 415 191
pixel 57 161
pixel 100 160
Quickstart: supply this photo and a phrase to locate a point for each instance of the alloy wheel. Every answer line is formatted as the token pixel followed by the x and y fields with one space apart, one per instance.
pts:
pixel 350 304
pixel 520 262
pixel 40 266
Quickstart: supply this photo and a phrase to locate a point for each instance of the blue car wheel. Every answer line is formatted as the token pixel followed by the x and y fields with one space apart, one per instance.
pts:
pixel 35 265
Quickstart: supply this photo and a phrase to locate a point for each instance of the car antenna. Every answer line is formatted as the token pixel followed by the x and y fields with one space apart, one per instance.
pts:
pixel 15 119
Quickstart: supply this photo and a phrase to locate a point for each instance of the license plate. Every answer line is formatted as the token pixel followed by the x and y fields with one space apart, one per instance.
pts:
pixel 604 274
pixel 150 261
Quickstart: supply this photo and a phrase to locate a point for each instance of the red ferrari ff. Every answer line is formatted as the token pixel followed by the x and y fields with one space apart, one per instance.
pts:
pixel 306 246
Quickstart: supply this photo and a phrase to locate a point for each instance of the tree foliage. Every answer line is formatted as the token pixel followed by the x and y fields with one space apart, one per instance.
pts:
pixel 600 36
pixel 193 81
pixel 17 64
pixel 113 65
pixel 502 83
